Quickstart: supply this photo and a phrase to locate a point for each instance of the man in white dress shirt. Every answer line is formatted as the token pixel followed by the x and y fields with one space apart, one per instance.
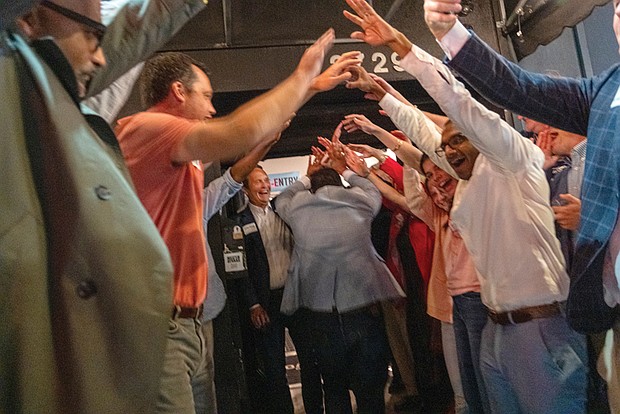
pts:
pixel 531 360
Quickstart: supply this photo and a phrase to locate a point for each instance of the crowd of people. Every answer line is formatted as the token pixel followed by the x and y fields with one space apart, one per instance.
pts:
pixel 497 282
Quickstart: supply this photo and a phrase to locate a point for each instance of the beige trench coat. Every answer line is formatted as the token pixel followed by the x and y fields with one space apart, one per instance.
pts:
pixel 83 314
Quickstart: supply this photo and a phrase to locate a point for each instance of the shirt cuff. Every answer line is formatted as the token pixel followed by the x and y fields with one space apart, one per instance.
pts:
pixel 347 174
pixel 305 180
pixel 454 40
pixel 389 103
pixel 230 181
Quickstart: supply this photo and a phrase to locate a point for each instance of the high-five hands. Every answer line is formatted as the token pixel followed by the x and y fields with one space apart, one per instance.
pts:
pixel 340 71
pixel 314 160
pixel 367 151
pixel 355 122
pixel 356 163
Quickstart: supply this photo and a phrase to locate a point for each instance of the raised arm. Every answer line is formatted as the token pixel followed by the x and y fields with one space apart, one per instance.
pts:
pixel 416 198
pixel 137 30
pixel 222 189
pixel 388 192
pixel 225 137
pixel 491 135
pixel 408 118
pixel 560 102
pixel 403 149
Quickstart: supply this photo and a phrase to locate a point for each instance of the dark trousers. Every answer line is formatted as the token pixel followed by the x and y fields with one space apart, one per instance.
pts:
pixel 270 343
pixel 270 347
pixel 311 386
pixel 353 352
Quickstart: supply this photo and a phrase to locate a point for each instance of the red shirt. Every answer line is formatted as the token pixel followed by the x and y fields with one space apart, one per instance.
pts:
pixel 171 193
pixel 421 237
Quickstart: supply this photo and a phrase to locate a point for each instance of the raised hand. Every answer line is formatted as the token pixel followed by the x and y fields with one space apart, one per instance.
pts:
pixel 355 122
pixel 441 15
pixel 356 163
pixel 324 142
pixel 363 81
pixel 376 31
pixel 314 160
pixel 335 152
pixel 312 60
pixel 367 151
pixel 340 71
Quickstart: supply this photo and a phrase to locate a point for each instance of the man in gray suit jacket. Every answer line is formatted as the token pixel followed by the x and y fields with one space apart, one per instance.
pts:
pixel 338 279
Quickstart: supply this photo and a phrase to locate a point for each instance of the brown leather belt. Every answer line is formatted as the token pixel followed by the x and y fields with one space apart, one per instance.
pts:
pixel 525 314
pixel 182 312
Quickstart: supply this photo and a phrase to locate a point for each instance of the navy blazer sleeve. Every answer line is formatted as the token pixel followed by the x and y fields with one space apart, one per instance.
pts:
pixel 561 102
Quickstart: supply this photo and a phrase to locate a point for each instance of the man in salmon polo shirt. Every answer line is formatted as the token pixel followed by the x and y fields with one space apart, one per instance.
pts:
pixel 164 148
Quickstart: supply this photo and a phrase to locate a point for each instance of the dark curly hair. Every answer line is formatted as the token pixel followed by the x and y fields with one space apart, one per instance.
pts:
pixel 161 71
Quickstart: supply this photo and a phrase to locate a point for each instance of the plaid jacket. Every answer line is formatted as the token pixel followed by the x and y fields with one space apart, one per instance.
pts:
pixel 585 106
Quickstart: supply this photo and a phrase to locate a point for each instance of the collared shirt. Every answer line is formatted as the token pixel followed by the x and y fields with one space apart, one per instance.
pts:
pixel 502 212
pixel 451 44
pixel 461 274
pixel 575 174
pixel 277 242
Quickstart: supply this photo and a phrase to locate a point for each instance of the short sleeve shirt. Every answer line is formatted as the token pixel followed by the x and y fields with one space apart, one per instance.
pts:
pixel 171 193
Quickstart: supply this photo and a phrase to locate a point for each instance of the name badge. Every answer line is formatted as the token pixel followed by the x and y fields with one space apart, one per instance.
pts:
pixel 234 262
pixel 250 228
pixel 616 102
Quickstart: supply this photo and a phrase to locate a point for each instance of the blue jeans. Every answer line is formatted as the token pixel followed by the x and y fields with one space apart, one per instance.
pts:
pixel 352 351
pixel 470 316
pixel 536 367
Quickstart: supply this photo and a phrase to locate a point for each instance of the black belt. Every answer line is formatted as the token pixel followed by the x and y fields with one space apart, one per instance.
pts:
pixel 373 309
pixel 525 314
pixel 183 312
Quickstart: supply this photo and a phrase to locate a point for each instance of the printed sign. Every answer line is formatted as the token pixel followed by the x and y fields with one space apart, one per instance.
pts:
pixel 282 180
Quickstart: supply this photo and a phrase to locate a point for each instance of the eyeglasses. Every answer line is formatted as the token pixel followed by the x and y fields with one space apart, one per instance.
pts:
pixel 453 143
pixel 94 28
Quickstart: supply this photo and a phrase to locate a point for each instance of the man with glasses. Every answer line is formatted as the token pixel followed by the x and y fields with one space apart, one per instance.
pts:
pixel 531 360
pixel 84 273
